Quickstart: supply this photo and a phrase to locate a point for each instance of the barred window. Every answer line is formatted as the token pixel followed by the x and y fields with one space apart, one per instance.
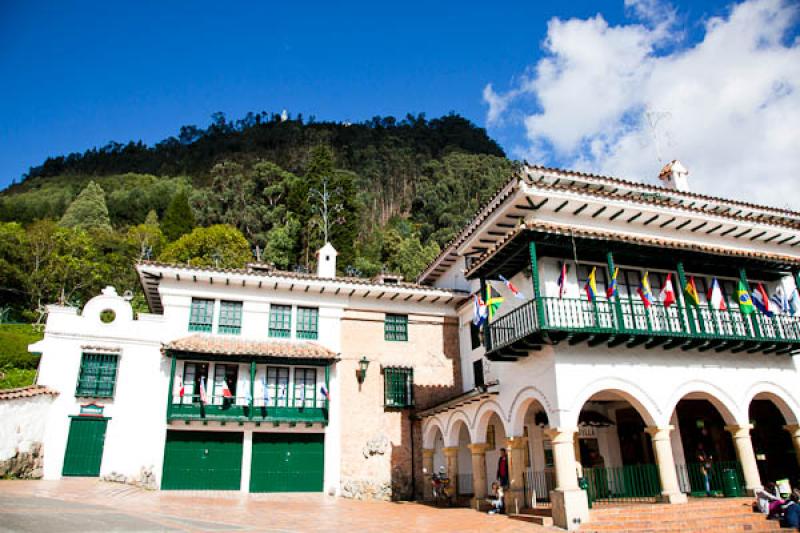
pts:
pixel 230 318
pixel 280 321
pixel 307 322
pixel 395 328
pixel 98 375
pixel 398 387
pixel 201 315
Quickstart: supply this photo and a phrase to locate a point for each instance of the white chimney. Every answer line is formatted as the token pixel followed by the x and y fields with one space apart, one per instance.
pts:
pixel 326 261
pixel 675 176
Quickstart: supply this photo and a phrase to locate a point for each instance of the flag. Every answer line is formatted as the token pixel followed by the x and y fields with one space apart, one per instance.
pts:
pixel 715 297
pixel 181 389
pixel 612 287
pixel 512 288
pixel 781 301
pixel 324 392
pixel 265 390
pixel 645 293
pixel 794 302
pixel 667 294
pixel 478 310
pixel 226 392
pixel 745 302
pixel 761 300
pixel 591 285
pixel 203 390
pixel 562 280
pixel 690 291
pixel 493 301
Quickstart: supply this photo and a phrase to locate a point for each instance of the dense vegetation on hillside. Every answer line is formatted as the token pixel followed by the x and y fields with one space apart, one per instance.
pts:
pixel 398 190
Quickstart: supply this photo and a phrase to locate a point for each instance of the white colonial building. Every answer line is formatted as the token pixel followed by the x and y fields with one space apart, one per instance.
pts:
pixel 260 380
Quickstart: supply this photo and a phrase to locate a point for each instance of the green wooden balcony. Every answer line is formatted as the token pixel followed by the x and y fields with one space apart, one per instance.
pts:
pixel 552 320
pixel 190 408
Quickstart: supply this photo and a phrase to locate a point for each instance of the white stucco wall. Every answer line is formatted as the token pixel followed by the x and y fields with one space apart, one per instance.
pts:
pixel 22 424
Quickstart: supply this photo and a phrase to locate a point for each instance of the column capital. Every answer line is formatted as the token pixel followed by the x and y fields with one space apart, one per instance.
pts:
pixel 517 443
pixel 558 435
pixel 479 448
pixel 428 452
pixel 793 429
pixel 739 431
pixel 659 432
pixel 449 451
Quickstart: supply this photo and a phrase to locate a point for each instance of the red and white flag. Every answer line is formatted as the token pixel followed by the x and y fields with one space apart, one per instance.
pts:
pixel 203 390
pixel 715 297
pixel 226 392
pixel 667 294
pixel 181 388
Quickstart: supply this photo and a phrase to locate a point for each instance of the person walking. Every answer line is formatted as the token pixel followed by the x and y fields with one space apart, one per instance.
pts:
pixel 502 468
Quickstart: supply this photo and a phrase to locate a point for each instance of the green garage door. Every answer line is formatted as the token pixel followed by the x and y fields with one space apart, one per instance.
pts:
pixel 287 462
pixel 202 460
pixel 85 446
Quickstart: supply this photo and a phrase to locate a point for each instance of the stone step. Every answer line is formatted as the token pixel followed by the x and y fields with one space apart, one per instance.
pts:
pixel 532 519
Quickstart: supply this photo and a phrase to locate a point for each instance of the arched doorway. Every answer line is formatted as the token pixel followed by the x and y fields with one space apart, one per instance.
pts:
pixel 496 441
pixel 461 440
pixel 772 444
pixel 540 476
pixel 705 453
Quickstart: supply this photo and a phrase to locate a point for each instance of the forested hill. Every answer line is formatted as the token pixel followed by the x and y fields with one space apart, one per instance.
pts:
pixel 399 190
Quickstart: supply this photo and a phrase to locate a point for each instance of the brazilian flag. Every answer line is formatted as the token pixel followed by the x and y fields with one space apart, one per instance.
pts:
pixel 745 301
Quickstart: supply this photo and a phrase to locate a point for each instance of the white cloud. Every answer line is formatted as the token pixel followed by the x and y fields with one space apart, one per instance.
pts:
pixel 727 106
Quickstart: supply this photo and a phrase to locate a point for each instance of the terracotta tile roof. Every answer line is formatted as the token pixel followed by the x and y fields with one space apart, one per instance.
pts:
pixel 26 392
pixel 546 227
pixel 226 345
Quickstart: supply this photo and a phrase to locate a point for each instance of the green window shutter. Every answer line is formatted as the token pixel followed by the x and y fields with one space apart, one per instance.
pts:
pixel 307 323
pixel 230 318
pixel 98 375
pixel 398 387
pixel 280 321
pixel 395 328
pixel 201 315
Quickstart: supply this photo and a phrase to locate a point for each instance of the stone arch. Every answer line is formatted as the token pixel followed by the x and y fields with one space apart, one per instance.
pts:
pixel 520 404
pixel 782 399
pixel 482 416
pixel 721 400
pixel 454 423
pixel 432 426
pixel 629 391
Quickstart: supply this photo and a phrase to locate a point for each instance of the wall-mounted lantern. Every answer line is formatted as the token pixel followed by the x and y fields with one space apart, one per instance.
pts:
pixel 361 373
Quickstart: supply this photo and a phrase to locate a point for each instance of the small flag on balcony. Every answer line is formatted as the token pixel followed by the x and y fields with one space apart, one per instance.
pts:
pixel 265 390
pixel 181 388
pixel 324 392
pixel 645 293
pixel 493 301
pixel 745 302
pixel 715 297
pixel 478 310
pixel 761 301
pixel 202 390
pixel 667 294
pixel 562 280
pixel 511 287
pixel 794 302
pixel 226 391
pixel 591 285
pixel 612 287
pixel 690 291
pixel 781 301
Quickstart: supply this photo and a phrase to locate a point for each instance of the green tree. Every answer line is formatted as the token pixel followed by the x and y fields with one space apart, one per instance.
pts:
pixel 178 219
pixel 88 210
pixel 281 244
pixel 220 246
pixel 13 271
pixel 146 240
pixel 152 218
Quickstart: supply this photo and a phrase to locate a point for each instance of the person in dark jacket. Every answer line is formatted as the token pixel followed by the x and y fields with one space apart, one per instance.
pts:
pixel 502 468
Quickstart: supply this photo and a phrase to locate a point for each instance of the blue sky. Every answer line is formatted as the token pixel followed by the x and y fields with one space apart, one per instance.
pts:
pixel 77 75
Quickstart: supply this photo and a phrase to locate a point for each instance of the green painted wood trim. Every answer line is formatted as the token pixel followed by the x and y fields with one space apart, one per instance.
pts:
pixel 540 318
pixel 327 384
pixel 170 386
pixel 617 302
pixel 686 308
pixel 90 417
pixel 751 317
pixel 252 387
pixel 487 336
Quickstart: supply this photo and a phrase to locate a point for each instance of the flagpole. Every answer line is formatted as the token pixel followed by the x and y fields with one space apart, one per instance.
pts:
pixel 756 329
pixel 679 296
pixel 171 387
pixel 252 388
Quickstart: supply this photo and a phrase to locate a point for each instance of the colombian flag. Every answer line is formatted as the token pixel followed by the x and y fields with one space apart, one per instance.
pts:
pixel 612 287
pixel 644 291
pixel 690 291
pixel 591 285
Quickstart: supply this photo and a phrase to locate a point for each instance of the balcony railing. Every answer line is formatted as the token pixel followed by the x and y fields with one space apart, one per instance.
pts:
pixel 629 322
pixel 241 409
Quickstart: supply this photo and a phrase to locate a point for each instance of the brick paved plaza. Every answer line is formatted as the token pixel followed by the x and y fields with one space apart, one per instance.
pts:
pixel 88 505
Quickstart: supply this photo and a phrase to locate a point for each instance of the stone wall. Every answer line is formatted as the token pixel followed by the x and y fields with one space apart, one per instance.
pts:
pixel 376 441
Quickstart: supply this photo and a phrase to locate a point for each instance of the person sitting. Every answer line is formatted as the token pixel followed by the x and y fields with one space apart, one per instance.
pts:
pixel 496 498
pixel 791 511
pixel 766 497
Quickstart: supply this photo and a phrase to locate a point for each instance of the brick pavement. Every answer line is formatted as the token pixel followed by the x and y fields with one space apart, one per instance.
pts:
pixel 89 505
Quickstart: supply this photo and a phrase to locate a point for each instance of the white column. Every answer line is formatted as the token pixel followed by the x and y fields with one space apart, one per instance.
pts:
pixel 744 451
pixel 247 455
pixel 662 446
pixel 570 504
